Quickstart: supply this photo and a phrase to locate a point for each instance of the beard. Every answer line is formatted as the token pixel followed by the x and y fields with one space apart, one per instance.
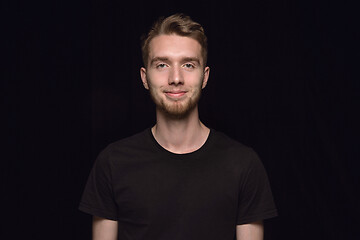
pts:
pixel 176 109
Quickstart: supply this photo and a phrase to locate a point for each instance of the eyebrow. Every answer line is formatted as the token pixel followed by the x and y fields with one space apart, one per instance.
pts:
pixel 166 59
pixel 191 59
pixel 159 59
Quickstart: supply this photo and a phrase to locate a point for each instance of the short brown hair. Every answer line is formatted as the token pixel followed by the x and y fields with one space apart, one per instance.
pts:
pixel 179 24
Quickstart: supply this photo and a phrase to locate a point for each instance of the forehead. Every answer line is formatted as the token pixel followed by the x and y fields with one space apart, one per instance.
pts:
pixel 174 46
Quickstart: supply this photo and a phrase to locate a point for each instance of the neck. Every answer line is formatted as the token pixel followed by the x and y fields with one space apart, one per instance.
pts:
pixel 180 135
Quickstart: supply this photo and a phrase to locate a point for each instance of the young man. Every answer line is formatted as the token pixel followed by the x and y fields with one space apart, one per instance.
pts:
pixel 178 180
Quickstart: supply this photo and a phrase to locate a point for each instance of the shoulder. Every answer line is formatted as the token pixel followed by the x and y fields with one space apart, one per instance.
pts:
pixel 137 139
pixel 243 159
pixel 131 146
pixel 227 144
pixel 233 153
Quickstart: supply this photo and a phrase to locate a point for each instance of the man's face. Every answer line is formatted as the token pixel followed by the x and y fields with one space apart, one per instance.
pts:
pixel 175 74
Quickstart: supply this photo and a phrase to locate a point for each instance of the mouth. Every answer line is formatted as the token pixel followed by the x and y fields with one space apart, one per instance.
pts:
pixel 175 94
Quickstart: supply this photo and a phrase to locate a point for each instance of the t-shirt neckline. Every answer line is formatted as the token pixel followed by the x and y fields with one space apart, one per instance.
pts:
pixel 195 153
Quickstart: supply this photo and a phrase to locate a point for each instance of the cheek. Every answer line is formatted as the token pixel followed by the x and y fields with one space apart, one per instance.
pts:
pixel 157 78
pixel 194 78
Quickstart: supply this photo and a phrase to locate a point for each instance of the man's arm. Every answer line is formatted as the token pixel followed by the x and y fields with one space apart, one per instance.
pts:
pixel 251 231
pixel 104 229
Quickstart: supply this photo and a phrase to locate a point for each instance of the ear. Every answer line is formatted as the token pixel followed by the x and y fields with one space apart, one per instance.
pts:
pixel 206 77
pixel 143 77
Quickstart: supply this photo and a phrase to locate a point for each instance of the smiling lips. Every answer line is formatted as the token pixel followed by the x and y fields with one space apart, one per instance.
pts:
pixel 175 94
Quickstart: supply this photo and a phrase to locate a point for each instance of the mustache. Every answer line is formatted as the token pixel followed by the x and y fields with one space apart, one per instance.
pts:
pixel 175 90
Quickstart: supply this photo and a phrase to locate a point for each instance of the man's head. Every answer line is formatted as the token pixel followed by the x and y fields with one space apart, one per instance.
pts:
pixel 175 69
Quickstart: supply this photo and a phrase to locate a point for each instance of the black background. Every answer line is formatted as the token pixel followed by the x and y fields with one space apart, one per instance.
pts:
pixel 282 81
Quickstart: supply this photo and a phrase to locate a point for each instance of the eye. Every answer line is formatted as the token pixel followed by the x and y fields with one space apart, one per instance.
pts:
pixel 161 65
pixel 189 65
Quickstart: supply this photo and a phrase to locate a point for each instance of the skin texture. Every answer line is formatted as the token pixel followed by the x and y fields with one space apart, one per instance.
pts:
pixel 252 231
pixel 175 77
pixel 104 229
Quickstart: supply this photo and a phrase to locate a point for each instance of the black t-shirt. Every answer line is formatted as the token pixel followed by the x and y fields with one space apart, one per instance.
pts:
pixel 156 194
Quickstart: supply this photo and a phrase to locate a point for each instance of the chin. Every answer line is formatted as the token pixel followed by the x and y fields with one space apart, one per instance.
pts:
pixel 177 111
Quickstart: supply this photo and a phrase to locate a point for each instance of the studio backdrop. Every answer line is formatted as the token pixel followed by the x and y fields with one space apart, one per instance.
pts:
pixel 282 81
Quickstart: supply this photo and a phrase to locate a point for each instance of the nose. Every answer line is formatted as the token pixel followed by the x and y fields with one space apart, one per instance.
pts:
pixel 175 76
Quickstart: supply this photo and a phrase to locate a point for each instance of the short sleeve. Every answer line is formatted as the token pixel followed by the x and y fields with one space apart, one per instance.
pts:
pixel 255 197
pixel 97 198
